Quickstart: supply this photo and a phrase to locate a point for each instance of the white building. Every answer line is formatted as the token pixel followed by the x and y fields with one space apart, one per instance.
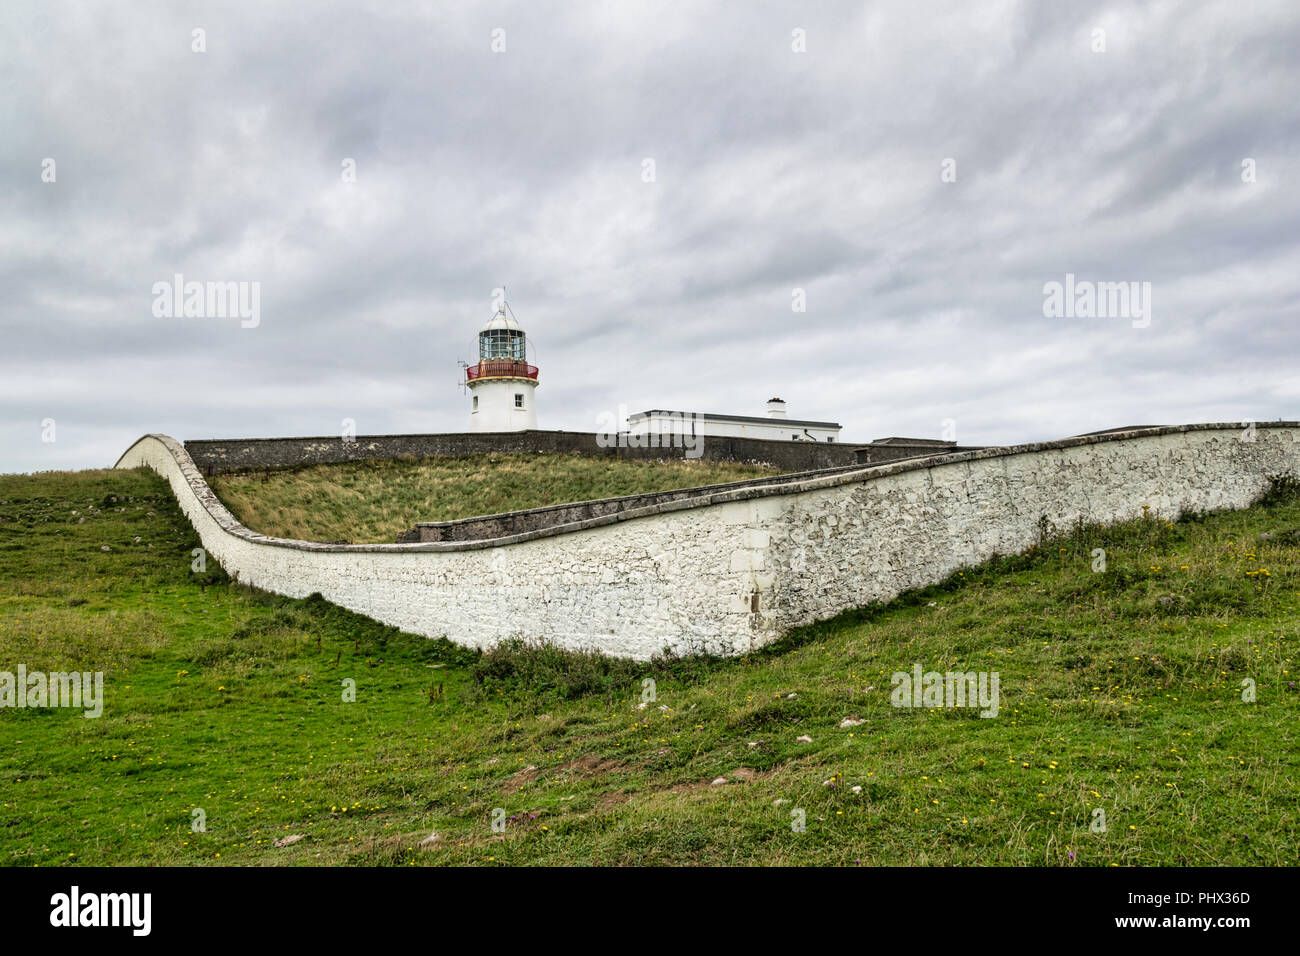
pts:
pixel 775 426
pixel 502 382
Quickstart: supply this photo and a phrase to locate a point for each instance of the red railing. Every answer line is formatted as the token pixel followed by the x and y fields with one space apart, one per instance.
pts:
pixel 500 368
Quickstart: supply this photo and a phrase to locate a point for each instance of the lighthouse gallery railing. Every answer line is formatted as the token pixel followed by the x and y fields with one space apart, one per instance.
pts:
pixel 500 369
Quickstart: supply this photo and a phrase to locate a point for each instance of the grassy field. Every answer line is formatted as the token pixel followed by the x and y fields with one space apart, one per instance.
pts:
pixel 1121 691
pixel 372 501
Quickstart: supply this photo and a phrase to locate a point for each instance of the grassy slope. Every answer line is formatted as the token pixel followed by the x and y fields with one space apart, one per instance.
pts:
pixel 1120 690
pixel 372 501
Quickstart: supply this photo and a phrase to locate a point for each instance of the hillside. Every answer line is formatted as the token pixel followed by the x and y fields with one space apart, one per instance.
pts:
pixel 372 501
pixel 1120 691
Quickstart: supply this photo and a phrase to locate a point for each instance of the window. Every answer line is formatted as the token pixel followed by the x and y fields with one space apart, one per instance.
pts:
pixel 519 400
pixel 475 403
pixel 501 344
pixel 830 437
pixel 794 437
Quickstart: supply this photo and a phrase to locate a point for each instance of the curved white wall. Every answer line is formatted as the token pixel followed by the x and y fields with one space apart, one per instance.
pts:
pixel 732 571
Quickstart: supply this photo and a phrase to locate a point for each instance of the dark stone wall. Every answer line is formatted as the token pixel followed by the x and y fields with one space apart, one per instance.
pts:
pixel 878 453
pixel 214 456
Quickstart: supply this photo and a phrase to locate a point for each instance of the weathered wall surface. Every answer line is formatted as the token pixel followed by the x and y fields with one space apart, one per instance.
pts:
pixel 731 570
pixel 214 456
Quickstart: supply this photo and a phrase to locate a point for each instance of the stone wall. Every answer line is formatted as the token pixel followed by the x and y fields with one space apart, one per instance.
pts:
pixel 733 569
pixel 214 456
pixel 514 522
pixel 895 449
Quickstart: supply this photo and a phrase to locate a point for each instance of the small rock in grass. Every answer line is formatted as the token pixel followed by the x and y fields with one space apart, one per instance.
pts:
pixel 856 789
pixel 718 780
pixel 851 722
pixel 430 840
pixel 104 547
pixel 804 739
pixel 791 696
pixel 291 838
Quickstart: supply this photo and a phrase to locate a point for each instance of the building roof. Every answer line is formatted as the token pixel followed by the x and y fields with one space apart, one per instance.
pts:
pixel 756 419
pixel 938 442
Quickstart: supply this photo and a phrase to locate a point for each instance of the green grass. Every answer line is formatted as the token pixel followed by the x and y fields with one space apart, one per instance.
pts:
pixel 373 501
pixel 1120 691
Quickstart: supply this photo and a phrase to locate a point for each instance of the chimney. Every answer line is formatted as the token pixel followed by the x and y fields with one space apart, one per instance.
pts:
pixel 775 408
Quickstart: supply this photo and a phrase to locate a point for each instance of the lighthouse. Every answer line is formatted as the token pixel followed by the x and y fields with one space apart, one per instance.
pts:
pixel 502 382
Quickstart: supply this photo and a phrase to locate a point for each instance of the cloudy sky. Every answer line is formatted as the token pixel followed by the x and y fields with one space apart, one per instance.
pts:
pixel 915 172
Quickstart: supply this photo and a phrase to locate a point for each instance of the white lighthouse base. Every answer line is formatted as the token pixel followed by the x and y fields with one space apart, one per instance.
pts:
pixel 495 405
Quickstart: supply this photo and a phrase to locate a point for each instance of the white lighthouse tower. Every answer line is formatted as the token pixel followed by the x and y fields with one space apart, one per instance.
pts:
pixel 502 383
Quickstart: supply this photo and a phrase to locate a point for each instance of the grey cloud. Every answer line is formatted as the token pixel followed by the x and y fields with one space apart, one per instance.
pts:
pixel 775 170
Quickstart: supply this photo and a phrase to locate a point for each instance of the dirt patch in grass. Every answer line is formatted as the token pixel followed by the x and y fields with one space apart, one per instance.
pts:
pixel 588 765
pixel 591 765
pixel 739 775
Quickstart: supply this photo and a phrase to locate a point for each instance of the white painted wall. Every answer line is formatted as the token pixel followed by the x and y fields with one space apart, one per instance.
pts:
pixel 773 429
pixel 733 571
pixel 495 410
